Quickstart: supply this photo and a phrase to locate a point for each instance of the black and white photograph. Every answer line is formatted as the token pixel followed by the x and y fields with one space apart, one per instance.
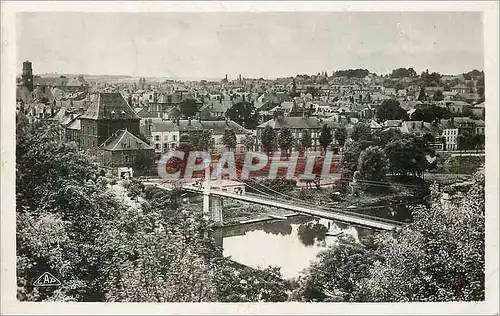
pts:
pixel 250 156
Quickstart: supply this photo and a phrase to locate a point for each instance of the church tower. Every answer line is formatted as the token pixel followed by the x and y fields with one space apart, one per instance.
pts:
pixel 27 75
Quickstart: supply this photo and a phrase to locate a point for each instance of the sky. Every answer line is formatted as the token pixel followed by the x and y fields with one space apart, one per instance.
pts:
pixel 210 45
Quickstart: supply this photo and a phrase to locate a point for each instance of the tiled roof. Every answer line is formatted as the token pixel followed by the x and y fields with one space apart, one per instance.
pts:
pixel 141 112
pixel 182 125
pixel 293 122
pixel 109 105
pixel 479 123
pixel 124 140
pixel 219 127
pixel 75 125
pixel 417 127
pixel 393 123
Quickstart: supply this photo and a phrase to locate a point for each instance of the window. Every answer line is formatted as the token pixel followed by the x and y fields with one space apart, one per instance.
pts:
pixel 93 130
pixel 174 138
pixel 157 138
pixel 157 146
pixel 125 158
pixel 165 138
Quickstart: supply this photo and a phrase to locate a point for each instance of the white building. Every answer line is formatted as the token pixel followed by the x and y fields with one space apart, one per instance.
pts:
pixel 450 135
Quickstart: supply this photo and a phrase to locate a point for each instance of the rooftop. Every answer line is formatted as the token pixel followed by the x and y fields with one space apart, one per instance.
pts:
pixel 109 105
pixel 124 140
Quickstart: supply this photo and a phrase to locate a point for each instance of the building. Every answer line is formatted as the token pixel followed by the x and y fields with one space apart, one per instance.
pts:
pixel 297 125
pixel 119 152
pixel 106 114
pixel 450 135
pixel 478 110
pixel 456 126
pixel 218 128
pixel 165 135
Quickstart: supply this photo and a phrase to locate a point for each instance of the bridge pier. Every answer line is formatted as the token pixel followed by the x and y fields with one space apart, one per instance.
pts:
pixel 212 206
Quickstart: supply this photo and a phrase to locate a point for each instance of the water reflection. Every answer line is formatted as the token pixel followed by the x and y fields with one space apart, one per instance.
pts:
pixel 290 244
pixel 312 232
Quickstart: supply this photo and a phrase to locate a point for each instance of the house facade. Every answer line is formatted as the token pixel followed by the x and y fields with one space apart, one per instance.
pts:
pixel 106 114
pixel 120 150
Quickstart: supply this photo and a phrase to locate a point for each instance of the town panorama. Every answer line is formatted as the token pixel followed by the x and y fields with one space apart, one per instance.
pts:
pixel 337 185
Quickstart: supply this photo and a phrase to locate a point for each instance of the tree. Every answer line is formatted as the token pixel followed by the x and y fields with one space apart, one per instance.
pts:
pixel 143 163
pixel 390 110
pixel 438 96
pixel 185 143
pixel 352 150
pixel 372 165
pixel 248 141
pixel 325 137
pixel 352 73
pixel 336 275
pixel 202 141
pixel 340 135
pixel 403 73
pixel 431 113
pixel 229 138
pixel 361 131
pixel 244 113
pixel 188 108
pixel 438 257
pixel 286 139
pixel 422 96
pixel 306 140
pixel 268 139
pixel 249 285
pixel 466 140
pixel 71 223
pixel 313 91
pixel 407 155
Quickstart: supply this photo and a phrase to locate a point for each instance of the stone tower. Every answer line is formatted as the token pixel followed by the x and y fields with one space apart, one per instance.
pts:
pixel 27 75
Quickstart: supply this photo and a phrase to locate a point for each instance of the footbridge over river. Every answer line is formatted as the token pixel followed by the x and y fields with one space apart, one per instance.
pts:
pixel 214 193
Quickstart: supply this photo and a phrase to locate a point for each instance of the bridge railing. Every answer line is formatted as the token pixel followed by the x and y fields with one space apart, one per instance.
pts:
pixel 327 209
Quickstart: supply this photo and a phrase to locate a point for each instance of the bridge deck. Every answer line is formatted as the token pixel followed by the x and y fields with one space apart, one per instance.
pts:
pixel 348 217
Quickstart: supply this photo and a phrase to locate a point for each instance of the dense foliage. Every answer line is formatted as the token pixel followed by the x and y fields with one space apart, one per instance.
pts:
pixel 229 138
pixel 114 242
pixel 403 154
pixel 351 73
pixel 439 257
pixel 268 139
pixel 325 137
pixel 244 113
pixel 390 110
pixel 286 139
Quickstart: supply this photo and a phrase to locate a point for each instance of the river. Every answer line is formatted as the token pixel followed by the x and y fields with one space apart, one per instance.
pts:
pixel 290 244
